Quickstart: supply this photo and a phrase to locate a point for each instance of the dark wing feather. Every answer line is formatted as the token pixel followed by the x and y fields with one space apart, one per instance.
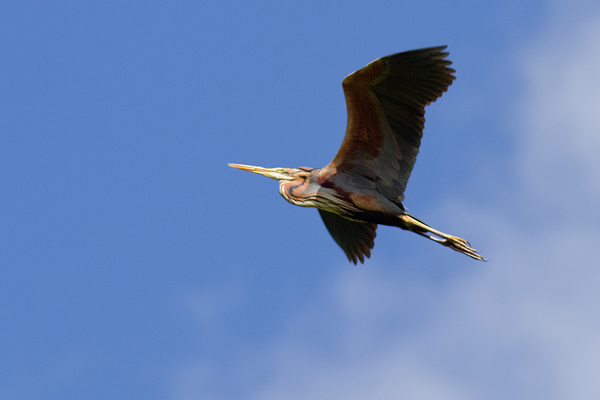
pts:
pixel 355 238
pixel 386 107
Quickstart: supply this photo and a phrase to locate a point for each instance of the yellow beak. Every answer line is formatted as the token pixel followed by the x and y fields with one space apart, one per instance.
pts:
pixel 273 173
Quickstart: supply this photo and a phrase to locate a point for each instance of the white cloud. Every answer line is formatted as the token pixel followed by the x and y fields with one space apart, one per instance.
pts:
pixel 560 151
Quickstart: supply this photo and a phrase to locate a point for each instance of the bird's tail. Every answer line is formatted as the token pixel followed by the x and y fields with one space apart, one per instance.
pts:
pixel 410 223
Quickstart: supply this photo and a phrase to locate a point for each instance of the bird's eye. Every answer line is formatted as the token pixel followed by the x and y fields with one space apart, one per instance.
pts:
pixel 282 170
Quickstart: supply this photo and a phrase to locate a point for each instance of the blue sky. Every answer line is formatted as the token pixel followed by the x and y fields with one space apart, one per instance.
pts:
pixel 135 264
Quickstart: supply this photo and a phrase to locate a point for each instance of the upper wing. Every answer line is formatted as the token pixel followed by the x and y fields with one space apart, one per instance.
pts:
pixel 386 107
pixel 355 238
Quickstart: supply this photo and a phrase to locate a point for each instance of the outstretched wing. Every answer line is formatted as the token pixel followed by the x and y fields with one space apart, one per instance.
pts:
pixel 355 238
pixel 386 107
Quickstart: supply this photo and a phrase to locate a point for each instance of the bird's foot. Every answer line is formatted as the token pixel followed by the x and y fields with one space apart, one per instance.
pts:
pixel 461 245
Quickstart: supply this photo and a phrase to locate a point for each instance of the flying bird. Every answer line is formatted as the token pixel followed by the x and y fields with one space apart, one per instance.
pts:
pixel 363 186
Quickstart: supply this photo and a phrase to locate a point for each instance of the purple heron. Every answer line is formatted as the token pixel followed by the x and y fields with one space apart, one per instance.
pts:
pixel 363 185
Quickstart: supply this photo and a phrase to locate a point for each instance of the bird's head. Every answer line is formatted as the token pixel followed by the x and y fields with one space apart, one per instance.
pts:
pixel 295 184
pixel 281 174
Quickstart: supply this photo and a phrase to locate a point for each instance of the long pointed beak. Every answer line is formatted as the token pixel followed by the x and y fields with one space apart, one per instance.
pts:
pixel 273 173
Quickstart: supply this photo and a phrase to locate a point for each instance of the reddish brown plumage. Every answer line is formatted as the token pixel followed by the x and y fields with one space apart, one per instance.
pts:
pixel 365 116
pixel 386 106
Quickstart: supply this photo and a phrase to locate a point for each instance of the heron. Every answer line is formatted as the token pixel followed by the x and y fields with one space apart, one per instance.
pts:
pixel 363 186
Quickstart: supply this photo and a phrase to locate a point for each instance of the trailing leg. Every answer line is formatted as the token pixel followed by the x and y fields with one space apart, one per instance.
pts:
pixel 410 223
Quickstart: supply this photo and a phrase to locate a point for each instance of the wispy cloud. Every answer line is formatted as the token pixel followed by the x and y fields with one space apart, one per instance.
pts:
pixel 559 153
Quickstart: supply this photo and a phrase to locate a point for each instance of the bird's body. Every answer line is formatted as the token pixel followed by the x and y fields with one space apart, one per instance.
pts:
pixel 363 186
